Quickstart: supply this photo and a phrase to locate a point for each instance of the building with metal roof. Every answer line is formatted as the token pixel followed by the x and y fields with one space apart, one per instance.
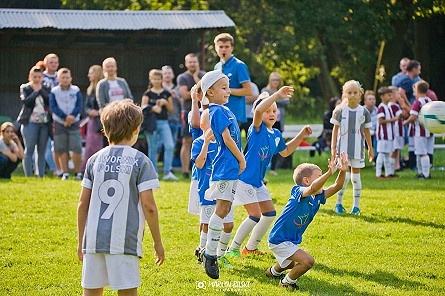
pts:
pixel 139 40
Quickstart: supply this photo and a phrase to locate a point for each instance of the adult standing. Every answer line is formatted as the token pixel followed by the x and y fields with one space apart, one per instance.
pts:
pixel 94 138
pixel 111 88
pixel 236 70
pixel 51 65
pixel 186 81
pixel 174 119
pixel 35 119
pixel 406 83
pixel 272 87
pixel 396 78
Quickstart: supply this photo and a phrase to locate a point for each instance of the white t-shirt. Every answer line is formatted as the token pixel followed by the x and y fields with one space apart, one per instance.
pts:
pixel 116 175
pixel 115 92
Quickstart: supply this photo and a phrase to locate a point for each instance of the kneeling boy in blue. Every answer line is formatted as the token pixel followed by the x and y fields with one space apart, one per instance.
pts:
pixel 299 211
pixel 228 163
pixel 204 150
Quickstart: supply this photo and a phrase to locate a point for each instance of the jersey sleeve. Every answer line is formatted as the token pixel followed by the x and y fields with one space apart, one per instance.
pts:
pixel 220 121
pixel 296 194
pixel 196 149
pixel 88 176
pixel 336 117
pixel 368 122
pixel 381 112
pixel 281 144
pixel 396 109
pixel 147 178
pixel 243 73
pixel 415 108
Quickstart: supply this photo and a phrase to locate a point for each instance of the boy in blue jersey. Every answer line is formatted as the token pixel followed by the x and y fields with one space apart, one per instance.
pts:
pixel 263 141
pixel 299 211
pixel 228 163
pixel 204 150
pixel 116 200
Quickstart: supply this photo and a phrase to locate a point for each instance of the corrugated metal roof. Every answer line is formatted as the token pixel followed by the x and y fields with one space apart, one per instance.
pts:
pixel 113 19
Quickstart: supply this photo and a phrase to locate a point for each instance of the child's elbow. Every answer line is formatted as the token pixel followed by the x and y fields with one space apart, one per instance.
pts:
pixel 150 208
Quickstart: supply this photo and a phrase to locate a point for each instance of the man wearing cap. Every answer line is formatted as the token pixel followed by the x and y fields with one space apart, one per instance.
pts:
pixel 237 73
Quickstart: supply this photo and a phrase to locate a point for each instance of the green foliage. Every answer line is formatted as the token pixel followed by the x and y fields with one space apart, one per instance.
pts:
pixel 394 248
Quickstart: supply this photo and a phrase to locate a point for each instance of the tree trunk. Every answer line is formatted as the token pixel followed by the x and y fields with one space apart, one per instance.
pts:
pixel 327 83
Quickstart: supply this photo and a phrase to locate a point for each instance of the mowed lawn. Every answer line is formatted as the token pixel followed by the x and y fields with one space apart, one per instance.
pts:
pixel 396 247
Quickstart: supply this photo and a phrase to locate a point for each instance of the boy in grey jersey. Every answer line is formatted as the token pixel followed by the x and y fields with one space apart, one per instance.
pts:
pixel 116 199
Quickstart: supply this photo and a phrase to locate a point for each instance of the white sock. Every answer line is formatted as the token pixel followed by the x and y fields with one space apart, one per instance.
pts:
pixel 202 239
pixel 341 192
pixel 357 188
pixel 223 242
pixel 379 164
pixel 214 234
pixel 274 272
pixel 387 163
pixel 425 160
pixel 243 231
pixel 260 230
pixel 392 164
pixel 288 280
pixel 419 164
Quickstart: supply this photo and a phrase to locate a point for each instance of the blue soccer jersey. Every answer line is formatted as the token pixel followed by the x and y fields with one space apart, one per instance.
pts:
pixel 225 164
pixel 296 216
pixel 196 133
pixel 237 72
pixel 261 146
pixel 203 175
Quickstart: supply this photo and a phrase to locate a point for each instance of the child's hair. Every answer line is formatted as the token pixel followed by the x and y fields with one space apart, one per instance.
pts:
pixel 224 37
pixel 422 87
pixel 393 88
pixel 5 125
pixel 152 73
pixel 41 65
pixel 348 84
pixel 304 170
pixel 120 119
pixel 63 71
pixel 369 93
pixel 99 74
pixel 384 90
pixel 49 56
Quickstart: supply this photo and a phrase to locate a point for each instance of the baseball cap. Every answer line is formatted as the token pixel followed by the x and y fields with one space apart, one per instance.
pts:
pixel 209 79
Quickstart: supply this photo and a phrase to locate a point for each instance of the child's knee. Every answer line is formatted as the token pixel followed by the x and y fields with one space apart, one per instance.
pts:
pixel 228 227
pixel 307 262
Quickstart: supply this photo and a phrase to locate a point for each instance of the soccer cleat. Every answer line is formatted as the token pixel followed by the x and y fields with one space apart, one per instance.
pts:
pixel 232 253
pixel 245 251
pixel 355 211
pixel 420 176
pixel 224 262
pixel 170 177
pixel 210 264
pixel 78 176
pixel 198 251
pixel 65 176
pixel 339 209
pixel 292 287
pixel 269 274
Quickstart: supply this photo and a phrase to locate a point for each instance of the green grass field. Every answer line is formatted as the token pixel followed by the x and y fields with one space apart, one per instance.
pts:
pixel 394 248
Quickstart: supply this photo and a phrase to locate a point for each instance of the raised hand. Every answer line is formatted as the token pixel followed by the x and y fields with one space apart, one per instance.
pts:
pixel 195 94
pixel 208 136
pixel 286 92
pixel 306 131
pixel 332 164
pixel 343 162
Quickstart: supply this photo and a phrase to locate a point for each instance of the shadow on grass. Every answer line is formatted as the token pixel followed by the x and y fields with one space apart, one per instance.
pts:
pixel 378 276
pixel 383 219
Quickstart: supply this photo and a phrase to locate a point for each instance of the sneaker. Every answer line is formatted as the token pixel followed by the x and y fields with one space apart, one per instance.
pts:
pixel 355 211
pixel 393 176
pixel 254 252
pixel 65 176
pixel 233 253
pixel 381 177
pixel 59 174
pixel 186 175
pixel 288 286
pixel 210 264
pixel 269 274
pixel 339 209
pixel 78 176
pixel 420 176
pixel 198 251
pixel 224 262
pixel 170 177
